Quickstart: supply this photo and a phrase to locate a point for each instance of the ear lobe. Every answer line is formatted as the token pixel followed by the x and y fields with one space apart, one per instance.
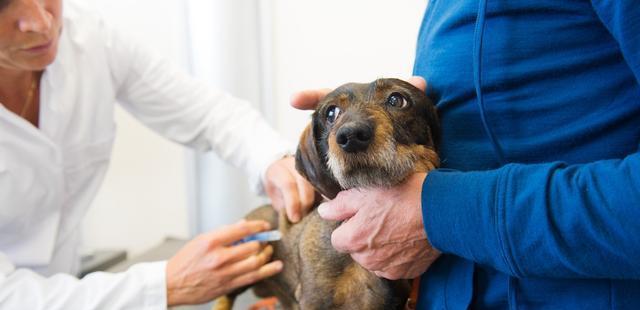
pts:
pixel 313 167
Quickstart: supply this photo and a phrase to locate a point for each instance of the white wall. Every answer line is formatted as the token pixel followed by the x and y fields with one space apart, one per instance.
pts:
pixel 285 46
pixel 306 44
pixel 226 52
pixel 332 42
pixel 145 194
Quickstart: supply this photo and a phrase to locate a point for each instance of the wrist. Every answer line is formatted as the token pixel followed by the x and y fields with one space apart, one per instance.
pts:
pixel 174 298
pixel 174 294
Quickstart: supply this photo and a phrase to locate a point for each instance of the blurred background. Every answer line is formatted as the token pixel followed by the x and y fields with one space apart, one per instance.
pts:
pixel 259 50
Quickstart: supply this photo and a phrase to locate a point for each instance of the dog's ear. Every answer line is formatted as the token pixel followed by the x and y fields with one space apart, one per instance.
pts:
pixel 431 113
pixel 434 124
pixel 313 166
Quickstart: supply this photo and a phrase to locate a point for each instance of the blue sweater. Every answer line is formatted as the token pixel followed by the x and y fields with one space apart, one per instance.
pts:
pixel 538 202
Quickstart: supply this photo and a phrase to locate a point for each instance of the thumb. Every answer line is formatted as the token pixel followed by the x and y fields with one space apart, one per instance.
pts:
pixel 308 99
pixel 418 82
pixel 337 210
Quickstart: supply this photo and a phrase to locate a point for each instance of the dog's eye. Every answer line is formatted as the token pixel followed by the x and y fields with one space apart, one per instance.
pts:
pixel 397 101
pixel 332 113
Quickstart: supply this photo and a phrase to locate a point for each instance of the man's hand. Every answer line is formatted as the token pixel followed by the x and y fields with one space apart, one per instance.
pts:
pixel 210 266
pixel 308 99
pixel 383 229
pixel 288 190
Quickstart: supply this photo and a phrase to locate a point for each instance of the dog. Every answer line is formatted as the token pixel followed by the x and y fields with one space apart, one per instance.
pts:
pixel 360 135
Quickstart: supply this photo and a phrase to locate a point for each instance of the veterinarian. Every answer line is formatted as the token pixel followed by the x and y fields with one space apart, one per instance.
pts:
pixel 60 75
pixel 539 204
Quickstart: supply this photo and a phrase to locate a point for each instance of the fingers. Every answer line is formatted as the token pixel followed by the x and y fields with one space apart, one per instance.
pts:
pixel 286 196
pixel 396 273
pixel 237 253
pixel 418 82
pixel 274 193
pixel 297 196
pixel 232 233
pixel 254 268
pixel 308 99
pixel 369 261
pixel 288 189
pixel 291 200
pixel 343 238
pixel 264 272
pixel 277 201
pixel 250 263
pixel 386 275
pixel 307 194
pixel 348 237
pixel 338 209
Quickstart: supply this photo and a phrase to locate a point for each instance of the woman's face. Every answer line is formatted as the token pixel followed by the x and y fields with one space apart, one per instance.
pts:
pixel 29 33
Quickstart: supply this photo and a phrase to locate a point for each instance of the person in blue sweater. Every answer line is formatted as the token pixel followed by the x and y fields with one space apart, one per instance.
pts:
pixel 537 203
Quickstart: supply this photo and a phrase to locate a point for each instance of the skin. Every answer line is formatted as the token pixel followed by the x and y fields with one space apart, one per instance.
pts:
pixel 205 267
pixel 209 266
pixel 382 228
pixel 288 190
pixel 25 25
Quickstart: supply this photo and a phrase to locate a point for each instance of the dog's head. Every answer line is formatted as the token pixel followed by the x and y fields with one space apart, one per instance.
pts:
pixel 364 135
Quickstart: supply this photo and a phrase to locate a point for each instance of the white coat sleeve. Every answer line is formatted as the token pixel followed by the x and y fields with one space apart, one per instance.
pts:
pixel 143 286
pixel 191 112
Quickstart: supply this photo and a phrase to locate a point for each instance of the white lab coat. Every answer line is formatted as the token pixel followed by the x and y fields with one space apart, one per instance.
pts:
pixel 49 176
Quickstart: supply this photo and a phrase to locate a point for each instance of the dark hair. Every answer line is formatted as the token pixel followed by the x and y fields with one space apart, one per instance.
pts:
pixel 4 4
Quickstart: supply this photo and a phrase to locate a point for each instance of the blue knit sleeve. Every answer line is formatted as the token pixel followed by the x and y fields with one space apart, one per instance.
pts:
pixel 622 19
pixel 545 220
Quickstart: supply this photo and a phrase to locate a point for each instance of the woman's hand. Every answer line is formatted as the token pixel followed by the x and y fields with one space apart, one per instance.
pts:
pixel 210 266
pixel 289 191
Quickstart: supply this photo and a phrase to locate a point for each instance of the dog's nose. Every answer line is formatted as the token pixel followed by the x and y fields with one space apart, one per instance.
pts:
pixel 354 137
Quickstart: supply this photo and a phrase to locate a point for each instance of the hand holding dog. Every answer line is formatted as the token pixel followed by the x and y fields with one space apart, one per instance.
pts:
pixel 209 266
pixel 288 190
pixel 383 229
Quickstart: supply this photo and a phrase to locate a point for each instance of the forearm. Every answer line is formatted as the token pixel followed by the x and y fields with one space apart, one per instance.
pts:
pixel 141 287
pixel 191 112
pixel 546 220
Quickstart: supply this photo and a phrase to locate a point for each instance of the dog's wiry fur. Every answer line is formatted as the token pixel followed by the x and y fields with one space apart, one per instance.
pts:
pixel 403 139
pixel 398 141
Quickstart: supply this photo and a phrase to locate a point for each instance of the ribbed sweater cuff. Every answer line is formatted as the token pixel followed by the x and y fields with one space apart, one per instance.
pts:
pixel 461 215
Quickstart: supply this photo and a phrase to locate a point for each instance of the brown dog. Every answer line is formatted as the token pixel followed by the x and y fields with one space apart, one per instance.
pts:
pixel 361 135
